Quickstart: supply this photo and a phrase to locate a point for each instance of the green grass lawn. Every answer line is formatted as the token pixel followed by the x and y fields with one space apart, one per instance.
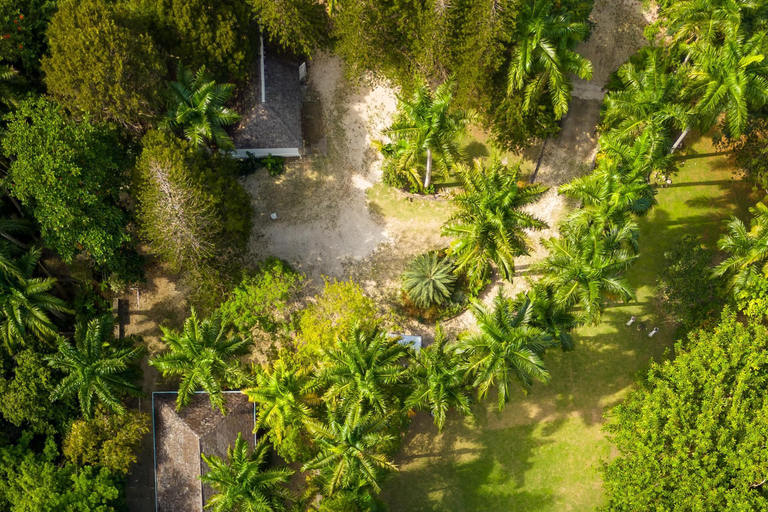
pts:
pixel 543 452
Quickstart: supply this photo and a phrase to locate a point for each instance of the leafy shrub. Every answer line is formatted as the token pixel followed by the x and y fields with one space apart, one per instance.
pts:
pixel 261 298
pixel 108 440
pixel 275 165
pixel 429 280
pixel 751 152
pixel 686 289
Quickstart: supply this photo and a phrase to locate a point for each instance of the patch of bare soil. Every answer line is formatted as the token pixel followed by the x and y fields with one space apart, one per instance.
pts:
pixel 323 222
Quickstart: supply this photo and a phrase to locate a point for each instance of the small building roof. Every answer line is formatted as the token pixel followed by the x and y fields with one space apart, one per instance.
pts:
pixel 181 437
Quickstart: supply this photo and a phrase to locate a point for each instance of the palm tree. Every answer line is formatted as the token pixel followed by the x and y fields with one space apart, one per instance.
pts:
pixel 438 381
pixel 361 371
pixel 585 266
pixel 283 398
pixel 730 78
pixel 25 302
pixel 647 98
pixel 748 249
pixel 543 58
pixel 11 92
pixel 489 222
pixel 548 315
pixel 426 132
pixel 196 106
pixel 241 484
pixel 352 451
pixel 429 280
pixel 204 355
pixel 506 349
pixel 96 369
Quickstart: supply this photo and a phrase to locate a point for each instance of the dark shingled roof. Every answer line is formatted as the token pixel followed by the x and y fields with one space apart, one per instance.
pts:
pixel 180 438
pixel 275 123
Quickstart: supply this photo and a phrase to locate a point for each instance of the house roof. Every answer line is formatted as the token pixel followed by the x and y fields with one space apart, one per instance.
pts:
pixel 181 437
pixel 276 122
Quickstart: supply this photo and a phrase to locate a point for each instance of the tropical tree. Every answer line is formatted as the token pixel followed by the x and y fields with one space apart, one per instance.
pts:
pixel 748 250
pixel 241 483
pixel 204 355
pixel 507 348
pixel 360 372
pixel 543 58
pixel 352 452
pixel 25 301
pixel 584 268
pixel 429 280
pixel 489 222
pixel 425 132
pixel 196 107
pixel 10 88
pixel 438 381
pixel 97 370
pixel 281 392
pixel 548 315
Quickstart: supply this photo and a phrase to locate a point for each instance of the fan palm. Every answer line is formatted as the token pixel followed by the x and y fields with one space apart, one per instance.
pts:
pixel 426 132
pixel 283 399
pixel 25 302
pixel 241 483
pixel 543 58
pixel 351 455
pixel 506 349
pixel 748 249
pixel 204 355
pixel 585 266
pixel 489 222
pixel 429 280
pixel 196 106
pixel 438 381
pixel 96 369
pixel 360 372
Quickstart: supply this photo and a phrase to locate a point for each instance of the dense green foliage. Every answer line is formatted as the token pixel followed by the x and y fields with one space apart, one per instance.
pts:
pixel 429 280
pixel 103 61
pixel 69 175
pixel 747 262
pixel 752 153
pixel 489 222
pixel 297 25
pixel 691 437
pixel 204 355
pixel 23 33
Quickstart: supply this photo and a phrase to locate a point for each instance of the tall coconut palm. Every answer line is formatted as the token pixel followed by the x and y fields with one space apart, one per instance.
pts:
pixel 543 58
pixel 748 250
pixel 196 107
pixel 283 398
pixel 438 381
pixel 25 302
pixel 204 355
pixel 584 268
pixel 241 482
pixel 489 223
pixel 352 451
pixel 507 348
pixel 647 97
pixel 426 133
pixel 96 369
pixel 361 371
pixel 730 78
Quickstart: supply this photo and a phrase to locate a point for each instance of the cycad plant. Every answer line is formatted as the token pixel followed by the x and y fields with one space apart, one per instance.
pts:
pixel 543 59
pixel 205 356
pixel 489 223
pixel 241 482
pixel 426 133
pixel 429 280
pixel 438 381
pixel 748 250
pixel 97 370
pixel 506 350
pixel 196 107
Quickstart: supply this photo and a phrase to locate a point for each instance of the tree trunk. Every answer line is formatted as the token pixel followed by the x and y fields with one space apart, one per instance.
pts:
pixel 428 174
pixel 679 141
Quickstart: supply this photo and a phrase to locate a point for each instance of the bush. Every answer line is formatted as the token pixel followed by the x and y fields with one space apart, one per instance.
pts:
pixel 262 298
pixel 429 280
pixel 751 152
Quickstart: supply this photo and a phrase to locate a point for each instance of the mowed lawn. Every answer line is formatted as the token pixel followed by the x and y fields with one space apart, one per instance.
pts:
pixel 543 452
